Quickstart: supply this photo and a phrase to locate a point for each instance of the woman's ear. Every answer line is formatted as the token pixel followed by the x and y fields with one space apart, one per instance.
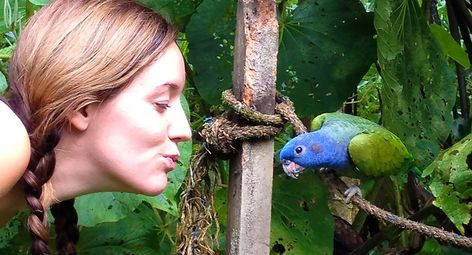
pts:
pixel 80 119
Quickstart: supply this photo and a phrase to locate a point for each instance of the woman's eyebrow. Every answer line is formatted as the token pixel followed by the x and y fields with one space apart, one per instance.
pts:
pixel 169 84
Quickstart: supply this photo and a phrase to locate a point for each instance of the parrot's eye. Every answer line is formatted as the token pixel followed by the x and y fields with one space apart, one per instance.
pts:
pixel 298 150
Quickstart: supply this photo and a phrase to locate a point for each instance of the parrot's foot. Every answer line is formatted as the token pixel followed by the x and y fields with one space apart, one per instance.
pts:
pixel 324 170
pixel 352 191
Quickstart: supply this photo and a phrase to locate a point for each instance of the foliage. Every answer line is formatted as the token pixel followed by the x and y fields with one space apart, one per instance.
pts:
pixel 397 64
pixel 416 79
pixel 325 49
pixel 450 181
pixel 319 65
pixel 301 218
pixel 449 46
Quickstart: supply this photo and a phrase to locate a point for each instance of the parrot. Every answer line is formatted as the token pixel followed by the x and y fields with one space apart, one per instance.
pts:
pixel 351 145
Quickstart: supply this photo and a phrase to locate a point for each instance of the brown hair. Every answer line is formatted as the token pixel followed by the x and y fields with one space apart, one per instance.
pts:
pixel 73 53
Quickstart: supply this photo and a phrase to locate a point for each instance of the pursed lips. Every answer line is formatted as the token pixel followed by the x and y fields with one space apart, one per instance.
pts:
pixel 170 161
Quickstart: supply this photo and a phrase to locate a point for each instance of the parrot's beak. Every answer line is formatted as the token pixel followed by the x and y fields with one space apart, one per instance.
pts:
pixel 291 168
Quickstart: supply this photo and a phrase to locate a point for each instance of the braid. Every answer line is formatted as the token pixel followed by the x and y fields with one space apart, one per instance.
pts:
pixel 66 227
pixel 39 171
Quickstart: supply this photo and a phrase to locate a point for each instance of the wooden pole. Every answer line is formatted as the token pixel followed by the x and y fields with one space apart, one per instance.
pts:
pixel 254 76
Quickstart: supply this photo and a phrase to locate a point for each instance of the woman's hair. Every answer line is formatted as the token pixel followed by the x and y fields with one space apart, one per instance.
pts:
pixel 70 54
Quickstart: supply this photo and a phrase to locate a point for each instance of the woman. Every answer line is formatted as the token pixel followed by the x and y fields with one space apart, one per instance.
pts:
pixel 97 84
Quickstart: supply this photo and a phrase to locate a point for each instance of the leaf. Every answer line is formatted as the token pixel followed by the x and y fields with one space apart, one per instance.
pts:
pixel 210 33
pixel 177 11
pixel 326 47
pixel 449 46
pixel 5 53
pixel 432 247
pixel 103 207
pixel 416 79
pixel 137 233
pixel 450 180
pixel 14 238
pixel 318 68
pixel 301 220
pixel 39 2
pixel 3 83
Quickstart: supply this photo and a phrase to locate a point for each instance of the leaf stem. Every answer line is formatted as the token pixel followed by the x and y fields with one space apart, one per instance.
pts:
pixel 456 23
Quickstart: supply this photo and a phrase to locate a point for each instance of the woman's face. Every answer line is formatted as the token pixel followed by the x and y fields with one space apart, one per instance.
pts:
pixel 133 137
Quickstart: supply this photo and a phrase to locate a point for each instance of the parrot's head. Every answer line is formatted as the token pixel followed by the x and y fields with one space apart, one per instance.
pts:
pixel 308 150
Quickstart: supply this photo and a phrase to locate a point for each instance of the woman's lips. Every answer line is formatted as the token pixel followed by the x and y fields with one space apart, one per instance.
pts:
pixel 170 161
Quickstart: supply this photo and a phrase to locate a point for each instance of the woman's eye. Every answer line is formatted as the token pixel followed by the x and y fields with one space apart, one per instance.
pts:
pixel 162 106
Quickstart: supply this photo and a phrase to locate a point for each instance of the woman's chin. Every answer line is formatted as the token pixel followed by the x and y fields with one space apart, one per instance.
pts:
pixel 153 187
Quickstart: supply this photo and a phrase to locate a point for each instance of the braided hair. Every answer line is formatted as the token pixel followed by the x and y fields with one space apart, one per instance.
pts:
pixel 70 54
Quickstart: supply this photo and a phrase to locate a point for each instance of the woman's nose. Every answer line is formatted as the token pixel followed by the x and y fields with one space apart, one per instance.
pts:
pixel 179 128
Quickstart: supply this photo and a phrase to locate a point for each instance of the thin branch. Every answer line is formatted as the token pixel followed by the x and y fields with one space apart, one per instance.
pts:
pixel 425 230
pixel 392 232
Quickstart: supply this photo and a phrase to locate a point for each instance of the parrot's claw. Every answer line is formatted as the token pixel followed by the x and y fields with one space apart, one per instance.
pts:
pixel 324 169
pixel 352 191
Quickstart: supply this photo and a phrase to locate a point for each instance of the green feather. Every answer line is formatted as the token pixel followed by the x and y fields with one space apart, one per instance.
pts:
pixel 374 150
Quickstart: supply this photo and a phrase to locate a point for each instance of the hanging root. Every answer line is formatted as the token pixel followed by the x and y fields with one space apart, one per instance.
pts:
pixel 197 209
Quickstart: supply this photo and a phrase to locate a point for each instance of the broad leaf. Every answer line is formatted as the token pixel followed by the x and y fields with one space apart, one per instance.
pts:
pixel 301 220
pixel 418 90
pixel 211 35
pixel 326 48
pixel 137 233
pixel 177 11
pixel 449 46
pixel 102 207
pixel 14 237
pixel 450 181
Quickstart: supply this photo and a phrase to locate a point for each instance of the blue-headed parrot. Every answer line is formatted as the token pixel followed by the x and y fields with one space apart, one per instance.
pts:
pixel 351 145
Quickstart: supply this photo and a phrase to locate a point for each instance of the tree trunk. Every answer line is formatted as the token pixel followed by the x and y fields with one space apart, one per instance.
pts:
pixel 254 76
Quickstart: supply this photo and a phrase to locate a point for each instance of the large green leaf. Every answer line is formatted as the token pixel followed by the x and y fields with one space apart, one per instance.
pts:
pixel 326 48
pixel 449 46
pixel 177 11
pixel 211 35
pixel 105 207
pixel 450 181
pixel 137 233
pixel 301 220
pixel 418 90
pixel 14 237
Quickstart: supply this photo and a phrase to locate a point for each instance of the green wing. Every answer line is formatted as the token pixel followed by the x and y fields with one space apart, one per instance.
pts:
pixel 379 153
pixel 318 121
